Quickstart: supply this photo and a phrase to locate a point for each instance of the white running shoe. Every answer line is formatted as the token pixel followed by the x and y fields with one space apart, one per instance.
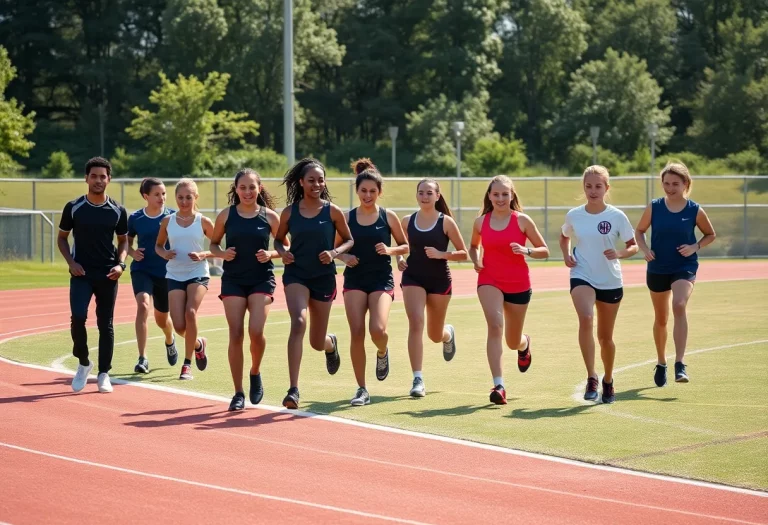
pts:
pixel 418 389
pixel 105 385
pixel 81 377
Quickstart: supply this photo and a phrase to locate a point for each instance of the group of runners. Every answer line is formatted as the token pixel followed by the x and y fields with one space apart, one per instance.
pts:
pixel 170 271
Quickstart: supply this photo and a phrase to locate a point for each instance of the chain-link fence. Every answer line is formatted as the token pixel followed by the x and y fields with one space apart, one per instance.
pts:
pixel 737 205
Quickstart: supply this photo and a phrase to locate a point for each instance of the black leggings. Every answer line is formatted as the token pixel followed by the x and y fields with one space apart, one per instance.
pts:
pixel 81 289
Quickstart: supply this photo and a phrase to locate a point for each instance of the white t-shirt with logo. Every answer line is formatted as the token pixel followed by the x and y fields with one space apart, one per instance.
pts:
pixel 592 234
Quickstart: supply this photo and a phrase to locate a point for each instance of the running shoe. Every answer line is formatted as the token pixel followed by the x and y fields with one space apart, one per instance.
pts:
pixel 591 393
pixel 238 402
pixel 171 353
pixel 142 367
pixel 332 359
pixel 256 392
pixel 382 366
pixel 201 360
pixel 609 395
pixel 292 399
pixel 498 395
pixel 449 348
pixel 361 398
pixel 81 376
pixel 105 385
pixel 681 375
pixel 524 357
pixel 418 390
pixel 186 372
pixel 660 375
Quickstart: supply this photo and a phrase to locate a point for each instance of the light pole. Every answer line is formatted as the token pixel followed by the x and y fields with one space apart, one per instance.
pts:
pixel 393 136
pixel 458 128
pixel 594 132
pixel 653 131
pixel 101 127
pixel 289 148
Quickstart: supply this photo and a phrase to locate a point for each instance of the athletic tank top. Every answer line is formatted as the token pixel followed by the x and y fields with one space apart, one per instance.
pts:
pixel 183 241
pixel 366 238
pixel 310 237
pixel 247 236
pixel 418 262
pixel 502 268
pixel 668 231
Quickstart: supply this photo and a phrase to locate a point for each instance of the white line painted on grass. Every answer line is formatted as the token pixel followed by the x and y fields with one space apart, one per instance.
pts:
pixel 292 501
pixel 422 435
pixel 578 391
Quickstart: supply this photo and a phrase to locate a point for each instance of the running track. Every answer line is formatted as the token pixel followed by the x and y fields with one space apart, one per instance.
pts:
pixel 143 453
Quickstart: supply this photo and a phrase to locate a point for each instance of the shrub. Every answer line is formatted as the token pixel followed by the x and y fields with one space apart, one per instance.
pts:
pixel 58 167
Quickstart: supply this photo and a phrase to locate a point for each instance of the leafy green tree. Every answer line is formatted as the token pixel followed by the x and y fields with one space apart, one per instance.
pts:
pixel 543 40
pixel 14 125
pixel 430 129
pixel 495 155
pixel 731 107
pixel 183 133
pixel 59 166
pixel 617 94
pixel 193 30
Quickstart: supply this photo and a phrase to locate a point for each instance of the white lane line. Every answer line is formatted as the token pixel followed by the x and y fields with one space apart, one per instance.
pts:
pixel 422 435
pixel 292 501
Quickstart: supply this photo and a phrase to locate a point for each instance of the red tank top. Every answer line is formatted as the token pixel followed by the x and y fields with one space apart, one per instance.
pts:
pixel 502 268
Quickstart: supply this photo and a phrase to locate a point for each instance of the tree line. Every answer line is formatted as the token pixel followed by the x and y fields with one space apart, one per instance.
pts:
pixel 195 86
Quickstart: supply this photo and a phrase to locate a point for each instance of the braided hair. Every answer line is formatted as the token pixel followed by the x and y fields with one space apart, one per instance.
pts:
pixel 293 176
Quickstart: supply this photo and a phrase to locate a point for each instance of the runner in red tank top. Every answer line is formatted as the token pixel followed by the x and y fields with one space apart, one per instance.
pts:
pixel 504 283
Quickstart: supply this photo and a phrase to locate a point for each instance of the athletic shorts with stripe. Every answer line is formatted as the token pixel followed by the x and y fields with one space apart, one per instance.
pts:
pixel 370 283
pixel 435 284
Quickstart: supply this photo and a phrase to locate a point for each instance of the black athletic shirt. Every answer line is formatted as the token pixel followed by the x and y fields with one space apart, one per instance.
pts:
pixel 366 238
pixel 419 264
pixel 94 228
pixel 247 236
pixel 310 237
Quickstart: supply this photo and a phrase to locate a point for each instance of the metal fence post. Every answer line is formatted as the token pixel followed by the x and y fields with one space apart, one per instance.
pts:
pixel 215 196
pixel 34 195
pixel 546 208
pixel 42 239
pixel 351 195
pixel 122 193
pixel 453 192
pixel 745 189
pixel 53 237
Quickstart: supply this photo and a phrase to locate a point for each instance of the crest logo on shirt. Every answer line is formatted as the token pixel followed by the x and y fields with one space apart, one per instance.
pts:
pixel 604 227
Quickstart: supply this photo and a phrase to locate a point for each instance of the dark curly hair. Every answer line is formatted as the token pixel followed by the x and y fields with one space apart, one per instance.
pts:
pixel 295 174
pixel 264 198
pixel 98 162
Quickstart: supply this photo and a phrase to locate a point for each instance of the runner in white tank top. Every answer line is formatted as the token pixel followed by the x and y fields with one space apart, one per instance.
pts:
pixel 183 241
pixel 186 270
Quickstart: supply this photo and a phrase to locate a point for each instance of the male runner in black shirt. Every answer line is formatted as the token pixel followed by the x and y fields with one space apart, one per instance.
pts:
pixel 95 266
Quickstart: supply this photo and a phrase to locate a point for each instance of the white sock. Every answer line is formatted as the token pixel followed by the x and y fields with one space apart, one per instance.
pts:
pixel 526 346
pixel 417 374
pixel 498 380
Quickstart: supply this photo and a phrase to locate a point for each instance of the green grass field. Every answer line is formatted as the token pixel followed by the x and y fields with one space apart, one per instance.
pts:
pixel 713 428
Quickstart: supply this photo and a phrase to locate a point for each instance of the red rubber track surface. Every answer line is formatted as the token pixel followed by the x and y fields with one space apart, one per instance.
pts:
pixel 141 454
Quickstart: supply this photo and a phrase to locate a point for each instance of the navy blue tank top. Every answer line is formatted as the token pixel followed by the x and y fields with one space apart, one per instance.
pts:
pixel 310 237
pixel 247 236
pixel 366 238
pixel 668 231
pixel 418 262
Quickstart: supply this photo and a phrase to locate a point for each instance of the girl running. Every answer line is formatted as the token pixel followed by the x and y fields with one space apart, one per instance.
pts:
pixel 368 281
pixel 312 222
pixel 426 280
pixel 596 273
pixel 248 282
pixel 187 270
pixel 672 261
pixel 504 282
pixel 148 271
